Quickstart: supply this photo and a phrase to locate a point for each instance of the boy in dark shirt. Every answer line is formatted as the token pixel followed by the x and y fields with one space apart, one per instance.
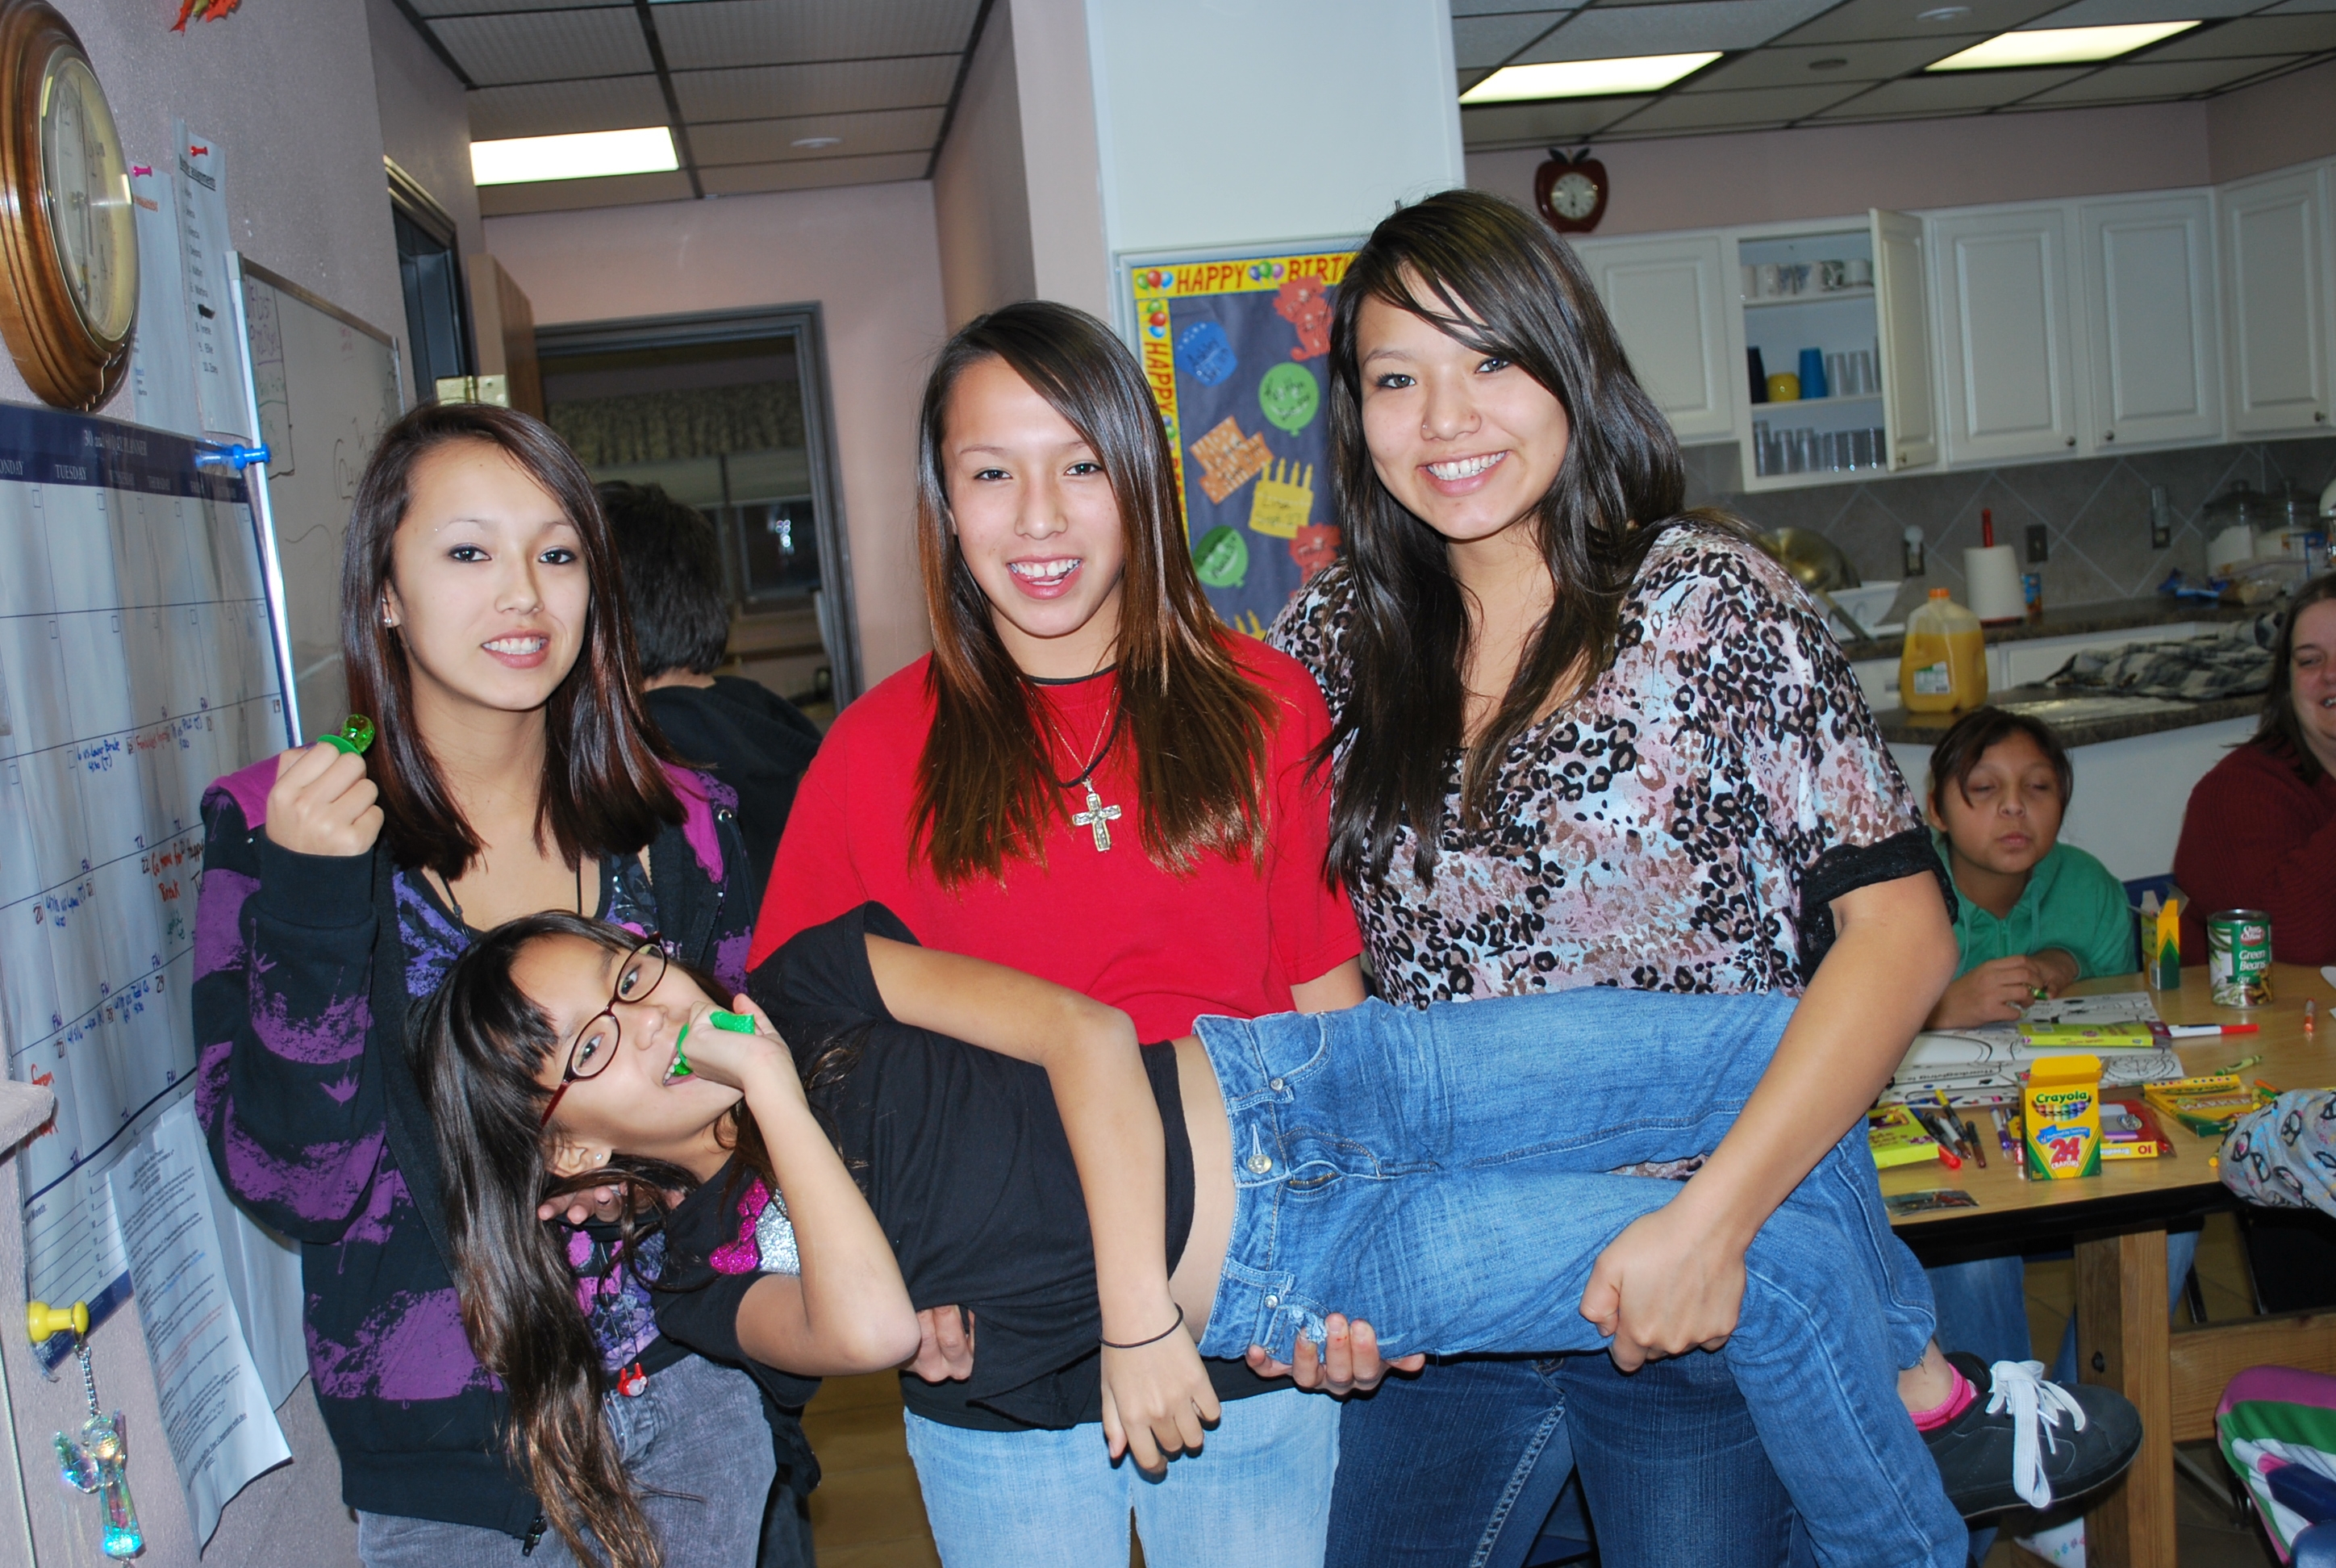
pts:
pixel 748 736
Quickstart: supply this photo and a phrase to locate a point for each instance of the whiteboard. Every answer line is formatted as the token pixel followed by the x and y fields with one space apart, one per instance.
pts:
pixel 325 386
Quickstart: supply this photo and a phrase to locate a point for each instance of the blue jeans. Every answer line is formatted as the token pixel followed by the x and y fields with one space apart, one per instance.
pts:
pixel 698 1451
pixel 1440 1172
pixel 1256 1495
pixel 1459 1467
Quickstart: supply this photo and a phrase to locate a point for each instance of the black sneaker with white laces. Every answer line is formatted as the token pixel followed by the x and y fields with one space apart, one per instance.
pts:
pixel 2025 1442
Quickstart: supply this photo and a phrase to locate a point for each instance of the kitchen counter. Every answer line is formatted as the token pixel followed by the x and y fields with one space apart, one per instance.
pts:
pixel 2079 717
pixel 2079 620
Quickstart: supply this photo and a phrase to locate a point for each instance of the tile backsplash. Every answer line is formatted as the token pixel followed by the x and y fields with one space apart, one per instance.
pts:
pixel 2096 511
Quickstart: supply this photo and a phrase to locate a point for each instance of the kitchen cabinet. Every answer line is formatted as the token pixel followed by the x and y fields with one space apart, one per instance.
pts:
pixel 1667 298
pixel 2005 351
pixel 1869 328
pixel 2152 352
pixel 2276 296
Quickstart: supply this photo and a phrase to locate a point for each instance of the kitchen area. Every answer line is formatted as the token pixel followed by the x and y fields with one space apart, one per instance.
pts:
pixel 2100 423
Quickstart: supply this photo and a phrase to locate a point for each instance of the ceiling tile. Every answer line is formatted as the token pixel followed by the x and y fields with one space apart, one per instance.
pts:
pixel 1498 7
pixel 1534 124
pixel 1716 110
pixel 1869 19
pixel 1469 78
pixel 2305 34
pixel 546 46
pixel 433 8
pixel 568 195
pixel 1611 32
pixel 2289 7
pixel 764 91
pixel 2145 81
pixel 556 108
pixel 1490 40
pixel 747 179
pixel 1954 93
pixel 2111 13
pixel 773 140
pixel 1796 67
pixel 711 34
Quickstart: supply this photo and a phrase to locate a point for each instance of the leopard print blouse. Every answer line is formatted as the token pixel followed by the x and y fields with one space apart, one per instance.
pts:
pixel 1682 825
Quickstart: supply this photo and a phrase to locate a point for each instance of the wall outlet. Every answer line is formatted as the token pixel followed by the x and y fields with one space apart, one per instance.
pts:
pixel 1911 557
pixel 2040 549
pixel 2161 519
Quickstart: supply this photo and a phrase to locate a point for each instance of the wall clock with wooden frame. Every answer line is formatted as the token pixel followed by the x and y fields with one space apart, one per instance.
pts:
pixel 68 233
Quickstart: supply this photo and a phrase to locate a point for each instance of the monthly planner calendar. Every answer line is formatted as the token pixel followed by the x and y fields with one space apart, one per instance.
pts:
pixel 136 666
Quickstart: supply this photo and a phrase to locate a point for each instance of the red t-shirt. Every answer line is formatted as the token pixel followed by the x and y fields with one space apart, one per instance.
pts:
pixel 2255 836
pixel 1231 938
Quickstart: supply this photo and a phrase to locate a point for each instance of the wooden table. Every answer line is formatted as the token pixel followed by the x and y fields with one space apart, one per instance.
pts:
pixel 2117 1221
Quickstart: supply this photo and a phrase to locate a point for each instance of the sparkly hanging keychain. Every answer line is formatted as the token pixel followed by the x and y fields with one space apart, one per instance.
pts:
pixel 98 1461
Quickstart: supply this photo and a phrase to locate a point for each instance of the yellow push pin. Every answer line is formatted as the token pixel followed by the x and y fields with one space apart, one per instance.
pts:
pixel 40 1319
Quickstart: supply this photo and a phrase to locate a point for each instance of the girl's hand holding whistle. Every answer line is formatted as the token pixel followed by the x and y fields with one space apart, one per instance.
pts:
pixel 323 803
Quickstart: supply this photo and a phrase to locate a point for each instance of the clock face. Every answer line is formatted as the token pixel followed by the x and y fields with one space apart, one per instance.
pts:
pixel 85 186
pixel 1574 195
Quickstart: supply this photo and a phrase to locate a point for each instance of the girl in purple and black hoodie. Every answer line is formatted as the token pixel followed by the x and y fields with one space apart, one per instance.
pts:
pixel 483 631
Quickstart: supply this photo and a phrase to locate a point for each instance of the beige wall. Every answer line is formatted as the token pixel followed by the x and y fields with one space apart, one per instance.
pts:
pixel 868 254
pixel 425 123
pixel 981 210
pixel 2289 121
pixel 289 92
pixel 1825 171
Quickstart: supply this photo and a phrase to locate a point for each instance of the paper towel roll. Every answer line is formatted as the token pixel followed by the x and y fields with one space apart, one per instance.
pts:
pixel 1993 576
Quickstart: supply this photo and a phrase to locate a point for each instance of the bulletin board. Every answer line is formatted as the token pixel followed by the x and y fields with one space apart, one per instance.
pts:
pixel 1236 350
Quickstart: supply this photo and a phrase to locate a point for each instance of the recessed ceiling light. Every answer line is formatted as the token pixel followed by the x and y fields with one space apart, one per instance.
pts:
pixel 1830 63
pixel 814 143
pixel 1585 78
pixel 2060 45
pixel 1943 14
pixel 588 155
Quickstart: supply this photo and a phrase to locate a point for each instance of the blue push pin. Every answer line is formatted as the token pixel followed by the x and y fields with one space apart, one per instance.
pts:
pixel 234 455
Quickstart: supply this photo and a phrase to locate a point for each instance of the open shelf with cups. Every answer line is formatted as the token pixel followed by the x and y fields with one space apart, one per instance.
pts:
pixel 1830 336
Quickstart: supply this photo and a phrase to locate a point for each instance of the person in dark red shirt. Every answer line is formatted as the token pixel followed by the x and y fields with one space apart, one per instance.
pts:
pixel 1092 779
pixel 2260 833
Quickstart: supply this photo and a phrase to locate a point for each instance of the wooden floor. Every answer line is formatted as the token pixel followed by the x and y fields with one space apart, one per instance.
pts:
pixel 867 1513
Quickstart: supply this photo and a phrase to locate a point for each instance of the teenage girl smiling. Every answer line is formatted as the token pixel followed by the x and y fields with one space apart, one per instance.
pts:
pixel 484 632
pixel 1089 779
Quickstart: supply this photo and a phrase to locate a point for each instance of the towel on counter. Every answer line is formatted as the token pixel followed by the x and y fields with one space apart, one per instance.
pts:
pixel 2233 662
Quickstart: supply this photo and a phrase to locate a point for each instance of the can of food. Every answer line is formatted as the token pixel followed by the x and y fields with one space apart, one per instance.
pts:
pixel 2238 957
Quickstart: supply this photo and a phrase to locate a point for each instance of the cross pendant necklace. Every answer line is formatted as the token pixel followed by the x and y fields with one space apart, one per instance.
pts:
pixel 1098 817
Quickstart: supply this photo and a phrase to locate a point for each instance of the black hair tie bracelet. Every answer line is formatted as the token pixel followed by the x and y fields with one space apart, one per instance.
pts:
pixel 1139 1344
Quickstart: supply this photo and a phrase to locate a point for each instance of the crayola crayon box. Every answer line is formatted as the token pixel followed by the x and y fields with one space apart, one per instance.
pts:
pixel 2062 1110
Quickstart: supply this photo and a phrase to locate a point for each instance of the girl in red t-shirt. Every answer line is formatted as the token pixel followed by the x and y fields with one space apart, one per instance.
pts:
pixel 1091 780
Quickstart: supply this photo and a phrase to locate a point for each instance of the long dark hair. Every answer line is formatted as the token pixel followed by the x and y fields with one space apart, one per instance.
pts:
pixel 1974 736
pixel 2280 732
pixel 985 789
pixel 1486 273
pixel 477 1046
pixel 604 789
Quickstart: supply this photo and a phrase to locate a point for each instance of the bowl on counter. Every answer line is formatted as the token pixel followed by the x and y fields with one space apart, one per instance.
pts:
pixel 1868 604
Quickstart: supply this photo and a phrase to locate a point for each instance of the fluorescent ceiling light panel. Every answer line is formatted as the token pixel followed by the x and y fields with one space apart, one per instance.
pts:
pixel 1585 78
pixel 588 155
pixel 2060 45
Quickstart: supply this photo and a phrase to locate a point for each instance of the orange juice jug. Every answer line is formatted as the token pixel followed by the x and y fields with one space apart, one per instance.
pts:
pixel 1943 667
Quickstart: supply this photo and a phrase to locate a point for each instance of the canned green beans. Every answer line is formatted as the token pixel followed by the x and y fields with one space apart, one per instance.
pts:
pixel 2238 957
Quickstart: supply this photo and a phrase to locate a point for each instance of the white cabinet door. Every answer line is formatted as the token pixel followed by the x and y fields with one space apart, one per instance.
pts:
pixel 2275 284
pixel 1902 319
pixel 2153 348
pixel 1665 296
pixel 2003 332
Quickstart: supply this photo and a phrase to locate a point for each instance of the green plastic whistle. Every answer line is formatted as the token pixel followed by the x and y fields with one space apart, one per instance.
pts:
pixel 354 735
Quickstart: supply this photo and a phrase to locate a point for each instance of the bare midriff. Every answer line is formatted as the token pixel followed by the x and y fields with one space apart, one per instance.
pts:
pixel 1195 1283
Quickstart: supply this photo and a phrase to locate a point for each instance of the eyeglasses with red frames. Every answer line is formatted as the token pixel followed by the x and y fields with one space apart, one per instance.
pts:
pixel 594 1046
